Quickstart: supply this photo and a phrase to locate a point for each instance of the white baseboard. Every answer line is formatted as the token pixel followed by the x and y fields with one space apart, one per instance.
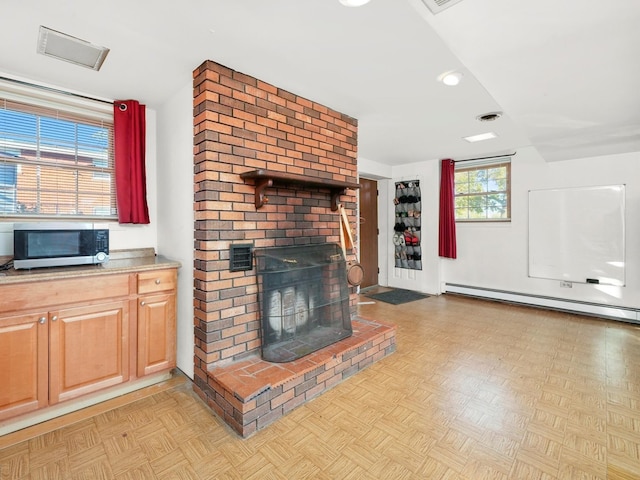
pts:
pixel 595 309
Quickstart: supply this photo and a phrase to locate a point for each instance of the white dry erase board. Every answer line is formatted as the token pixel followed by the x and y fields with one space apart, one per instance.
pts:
pixel 577 234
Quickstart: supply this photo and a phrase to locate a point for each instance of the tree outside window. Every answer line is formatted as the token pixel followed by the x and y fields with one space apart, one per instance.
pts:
pixel 482 193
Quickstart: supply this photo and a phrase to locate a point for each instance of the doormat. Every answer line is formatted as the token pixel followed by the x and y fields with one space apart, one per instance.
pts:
pixel 398 296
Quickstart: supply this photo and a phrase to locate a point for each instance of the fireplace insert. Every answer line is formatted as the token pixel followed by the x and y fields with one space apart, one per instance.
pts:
pixel 304 299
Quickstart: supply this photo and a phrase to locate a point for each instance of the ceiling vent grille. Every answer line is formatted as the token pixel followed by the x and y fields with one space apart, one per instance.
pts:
pixel 437 6
pixel 489 117
pixel 70 49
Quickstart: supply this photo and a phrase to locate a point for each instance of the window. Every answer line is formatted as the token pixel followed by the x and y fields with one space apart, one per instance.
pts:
pixel 56 159
pixel 8 177
pixel 483 192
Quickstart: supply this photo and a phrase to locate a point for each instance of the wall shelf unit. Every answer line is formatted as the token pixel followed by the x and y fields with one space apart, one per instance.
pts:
pixel 268 178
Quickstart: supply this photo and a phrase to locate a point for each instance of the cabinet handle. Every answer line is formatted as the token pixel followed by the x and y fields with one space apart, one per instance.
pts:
pixel 157 281
pixel 54 318
pixel 142 303
pixel 42 320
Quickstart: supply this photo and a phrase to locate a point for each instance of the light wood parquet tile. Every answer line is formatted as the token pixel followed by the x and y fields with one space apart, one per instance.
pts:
pixel 476 390
pixel 574 465
pixel 51 453
pixel 170 465
pixel 486 464
pixel 15 465
pixel 346 468
pixel 525 467
pixel 51 471
pixel 588 446
pixel 615 471
pixel 400 453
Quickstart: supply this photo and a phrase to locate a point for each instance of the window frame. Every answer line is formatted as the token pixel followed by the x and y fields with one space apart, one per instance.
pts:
pixel 44 102
pixel 474 166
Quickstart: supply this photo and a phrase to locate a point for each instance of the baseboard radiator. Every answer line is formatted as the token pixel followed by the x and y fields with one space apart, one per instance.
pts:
pixel 574 306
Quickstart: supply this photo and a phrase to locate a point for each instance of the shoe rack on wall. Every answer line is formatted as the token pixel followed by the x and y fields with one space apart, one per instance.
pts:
pixel 407 228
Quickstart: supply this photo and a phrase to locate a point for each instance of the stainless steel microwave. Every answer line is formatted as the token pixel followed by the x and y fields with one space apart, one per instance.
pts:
pixel 56 244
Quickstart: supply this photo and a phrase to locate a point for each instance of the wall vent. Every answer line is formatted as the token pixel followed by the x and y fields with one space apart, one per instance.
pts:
pixel 437 6
pixel 70 49
pixel 240 257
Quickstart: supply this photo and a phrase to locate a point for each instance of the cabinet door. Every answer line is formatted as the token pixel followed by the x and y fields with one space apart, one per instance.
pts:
pixel 23 363
pixel 89 349
pixel 156 333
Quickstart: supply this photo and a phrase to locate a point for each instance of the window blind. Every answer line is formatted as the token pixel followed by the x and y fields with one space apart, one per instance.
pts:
pixel 55 161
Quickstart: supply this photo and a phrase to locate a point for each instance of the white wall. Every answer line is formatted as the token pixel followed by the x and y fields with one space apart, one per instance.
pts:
pixel 495 255
pixel 175 207
pixel 428 279
pixel 373 170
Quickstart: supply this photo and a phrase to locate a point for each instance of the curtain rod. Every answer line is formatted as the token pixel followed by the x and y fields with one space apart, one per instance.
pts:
pixel 487 158
pixel 55 90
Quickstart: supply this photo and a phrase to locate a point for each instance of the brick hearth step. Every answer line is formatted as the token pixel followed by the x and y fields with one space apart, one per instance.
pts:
pixel 252 393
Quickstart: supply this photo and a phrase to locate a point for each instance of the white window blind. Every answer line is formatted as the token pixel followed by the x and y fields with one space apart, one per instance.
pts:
pixel 56 159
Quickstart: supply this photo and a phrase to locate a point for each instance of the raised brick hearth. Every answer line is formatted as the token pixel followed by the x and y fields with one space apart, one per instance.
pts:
pixel 242 124
pixel 251 393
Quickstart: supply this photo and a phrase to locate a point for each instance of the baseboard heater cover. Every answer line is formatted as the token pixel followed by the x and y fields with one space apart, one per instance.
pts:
pixel 574 306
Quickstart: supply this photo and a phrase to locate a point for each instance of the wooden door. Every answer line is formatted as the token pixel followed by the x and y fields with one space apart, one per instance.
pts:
pixel 156 333
pixel 23 364
pixel 369 231
pixel 89 349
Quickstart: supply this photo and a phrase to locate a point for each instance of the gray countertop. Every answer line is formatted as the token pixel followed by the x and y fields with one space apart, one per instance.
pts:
pixel 121 261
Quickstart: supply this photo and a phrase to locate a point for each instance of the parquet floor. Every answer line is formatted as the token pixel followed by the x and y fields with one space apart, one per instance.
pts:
pixel 476 390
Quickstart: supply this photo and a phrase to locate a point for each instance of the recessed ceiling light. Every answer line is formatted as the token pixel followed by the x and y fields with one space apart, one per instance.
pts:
pixel 70 49
pixel 354 3
pixel 450 79
pixel 480 137
pixel 437 6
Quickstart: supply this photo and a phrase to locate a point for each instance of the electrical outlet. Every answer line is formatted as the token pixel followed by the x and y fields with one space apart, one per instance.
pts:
pixel 566 284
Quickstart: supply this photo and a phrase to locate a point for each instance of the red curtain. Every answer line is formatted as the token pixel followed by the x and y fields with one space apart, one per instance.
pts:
pixel 447 233
pixel 129 137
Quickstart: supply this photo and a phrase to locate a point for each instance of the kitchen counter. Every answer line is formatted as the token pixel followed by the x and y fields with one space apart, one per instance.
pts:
pixel 84 333
pixel 120 261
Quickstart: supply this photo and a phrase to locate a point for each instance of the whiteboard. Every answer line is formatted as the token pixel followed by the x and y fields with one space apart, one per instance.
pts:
pixel 578 234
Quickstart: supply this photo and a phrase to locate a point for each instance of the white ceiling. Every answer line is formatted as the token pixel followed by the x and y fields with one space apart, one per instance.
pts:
pixel 565 73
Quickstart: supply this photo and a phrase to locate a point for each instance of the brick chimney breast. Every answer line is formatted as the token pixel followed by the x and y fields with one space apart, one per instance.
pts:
pixel 241 124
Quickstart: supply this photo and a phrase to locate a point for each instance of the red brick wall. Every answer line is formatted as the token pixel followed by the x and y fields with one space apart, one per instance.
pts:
pixel 241 124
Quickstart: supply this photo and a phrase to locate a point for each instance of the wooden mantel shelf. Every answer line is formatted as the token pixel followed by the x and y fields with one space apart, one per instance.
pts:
pixel 267 178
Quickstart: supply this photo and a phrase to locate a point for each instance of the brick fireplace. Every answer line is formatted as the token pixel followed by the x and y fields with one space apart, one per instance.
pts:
pixel 244 127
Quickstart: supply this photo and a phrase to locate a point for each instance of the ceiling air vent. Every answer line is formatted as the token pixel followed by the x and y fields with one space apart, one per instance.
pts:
pixel 436 6
pixel 489 117
pixel 70 49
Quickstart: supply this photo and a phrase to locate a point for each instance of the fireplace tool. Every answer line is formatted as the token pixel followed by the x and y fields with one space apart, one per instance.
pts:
pixel 355 272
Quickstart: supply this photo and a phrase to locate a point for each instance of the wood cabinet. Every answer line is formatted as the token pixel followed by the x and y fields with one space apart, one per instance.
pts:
pixel 156 321
pixel 63 339
pixel 24 363
pixel 88 349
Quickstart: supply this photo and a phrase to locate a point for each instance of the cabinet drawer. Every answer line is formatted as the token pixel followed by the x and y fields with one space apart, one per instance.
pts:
pixel 66 291
pixel 157 281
